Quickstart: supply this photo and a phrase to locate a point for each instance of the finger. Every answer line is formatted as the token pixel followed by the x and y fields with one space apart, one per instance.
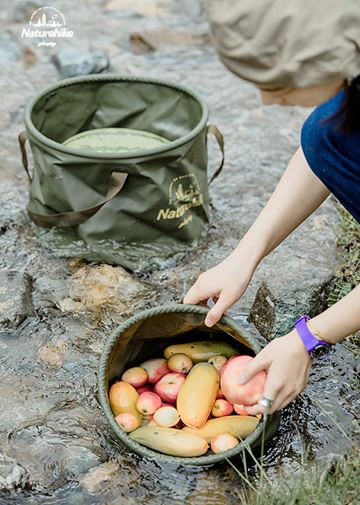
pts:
pixel 224 301
pixel 287 400
pixel 255 366
pixel 274 390
pixel 196 295
pixel 254 410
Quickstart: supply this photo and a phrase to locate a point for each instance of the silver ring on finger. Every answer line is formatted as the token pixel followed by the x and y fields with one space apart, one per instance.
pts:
pixel 266 402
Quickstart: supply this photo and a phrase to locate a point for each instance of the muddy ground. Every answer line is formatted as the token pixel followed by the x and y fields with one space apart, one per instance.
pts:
pixel 55 313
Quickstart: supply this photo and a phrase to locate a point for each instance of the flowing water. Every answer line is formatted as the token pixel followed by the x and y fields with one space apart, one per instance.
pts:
pixel 55 314
pixel 67 453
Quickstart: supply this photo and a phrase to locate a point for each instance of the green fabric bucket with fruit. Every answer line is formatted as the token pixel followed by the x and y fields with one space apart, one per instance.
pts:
pixel 145 337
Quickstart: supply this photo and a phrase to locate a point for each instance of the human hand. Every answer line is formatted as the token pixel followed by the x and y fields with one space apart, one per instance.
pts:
pixel 225 283
pixel 287 364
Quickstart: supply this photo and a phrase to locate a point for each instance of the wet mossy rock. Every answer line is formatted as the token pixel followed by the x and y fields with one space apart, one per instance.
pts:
pixel 145 336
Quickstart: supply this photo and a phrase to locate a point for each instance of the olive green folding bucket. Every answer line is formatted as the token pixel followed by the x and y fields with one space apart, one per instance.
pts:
pixel 145 336
pixel 146 202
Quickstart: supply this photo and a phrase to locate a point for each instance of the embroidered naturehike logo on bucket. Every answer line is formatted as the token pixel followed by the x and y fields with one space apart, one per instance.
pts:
pixel 47 24
pixel 184 193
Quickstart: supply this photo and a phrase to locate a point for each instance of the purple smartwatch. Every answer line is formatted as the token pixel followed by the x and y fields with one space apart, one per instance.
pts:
pixel 310 342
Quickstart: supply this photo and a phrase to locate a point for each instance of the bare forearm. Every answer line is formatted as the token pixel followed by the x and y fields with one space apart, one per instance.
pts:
pixel 340 320
pixel 297 195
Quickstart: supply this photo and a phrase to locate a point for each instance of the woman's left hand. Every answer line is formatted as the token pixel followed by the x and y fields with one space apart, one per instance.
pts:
pixel 287 364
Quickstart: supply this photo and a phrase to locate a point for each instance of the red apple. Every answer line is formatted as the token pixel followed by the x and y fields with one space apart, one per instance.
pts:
pixel 127 422
pixel 148 403
pixel 168 386
pixel 156 368
pixel 222 408
pixel 243 394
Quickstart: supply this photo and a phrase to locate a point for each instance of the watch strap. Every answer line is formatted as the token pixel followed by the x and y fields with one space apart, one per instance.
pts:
pixel 309 340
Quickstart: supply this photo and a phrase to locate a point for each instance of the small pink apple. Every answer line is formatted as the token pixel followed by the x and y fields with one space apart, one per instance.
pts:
pixel 166 417
pixel 127 422
pixel 222 408
pixel 156 368
pixel 136 376
pixel 180 363
pixel 148 403
pixel 168 386
pixel 223 442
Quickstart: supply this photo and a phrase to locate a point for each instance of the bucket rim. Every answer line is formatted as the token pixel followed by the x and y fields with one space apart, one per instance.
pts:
pixel 111 77
pixel 205 460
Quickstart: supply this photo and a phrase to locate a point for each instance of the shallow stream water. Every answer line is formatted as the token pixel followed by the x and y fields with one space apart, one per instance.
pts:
pixel 71 456
pixel 55 445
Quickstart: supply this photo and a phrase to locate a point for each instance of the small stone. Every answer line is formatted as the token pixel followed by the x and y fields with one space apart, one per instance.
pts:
pixel 16 298
pixel 99 288
pixel 97 476
pixel 50 356
pixel 12 475
pixel 73 61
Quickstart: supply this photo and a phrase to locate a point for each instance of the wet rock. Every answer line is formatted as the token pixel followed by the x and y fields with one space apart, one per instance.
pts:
pixel 51 426
pixel 12 475
pixel 50 355
pixel 16 297
pixel 73 61
pixel 101 289
pixel 99 476
pixel 274 311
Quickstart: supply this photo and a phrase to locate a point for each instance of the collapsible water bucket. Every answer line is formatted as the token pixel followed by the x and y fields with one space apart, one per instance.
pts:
pixel 145 336
pixel 145 197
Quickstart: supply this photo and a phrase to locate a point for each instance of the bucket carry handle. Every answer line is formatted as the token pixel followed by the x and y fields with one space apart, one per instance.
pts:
pixel 22 140
pixel 73 217
pixel 214 130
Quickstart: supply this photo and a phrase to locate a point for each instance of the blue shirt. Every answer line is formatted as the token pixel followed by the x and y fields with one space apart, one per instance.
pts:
pixel 334 156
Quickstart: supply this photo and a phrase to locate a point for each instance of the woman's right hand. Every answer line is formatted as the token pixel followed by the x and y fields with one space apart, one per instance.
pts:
pixel 225 283
pixel 297 195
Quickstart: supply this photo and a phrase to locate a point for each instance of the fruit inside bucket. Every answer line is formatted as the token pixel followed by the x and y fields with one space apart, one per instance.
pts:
pixel 161 392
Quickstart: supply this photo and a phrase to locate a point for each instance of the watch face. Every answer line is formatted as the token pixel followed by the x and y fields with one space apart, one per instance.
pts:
pixel 320 351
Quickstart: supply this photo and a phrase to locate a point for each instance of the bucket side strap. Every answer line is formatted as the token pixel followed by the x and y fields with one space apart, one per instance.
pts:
pixel 22 140
pixel 214 130
pixel 75 217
